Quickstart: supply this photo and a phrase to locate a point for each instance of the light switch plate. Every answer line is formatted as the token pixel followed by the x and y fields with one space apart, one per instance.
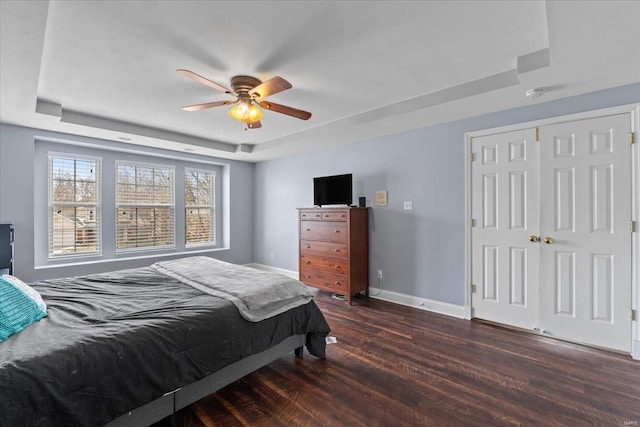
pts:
pixel 408 206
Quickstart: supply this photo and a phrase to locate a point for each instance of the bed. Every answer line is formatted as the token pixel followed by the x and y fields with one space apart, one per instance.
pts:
pixel 133 346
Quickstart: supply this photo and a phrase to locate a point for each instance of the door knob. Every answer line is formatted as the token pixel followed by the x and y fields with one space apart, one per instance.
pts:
pixel 548 240
pixel 534 239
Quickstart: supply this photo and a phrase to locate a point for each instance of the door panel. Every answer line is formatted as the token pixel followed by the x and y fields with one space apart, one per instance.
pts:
pixel 585 288
pixel 504 206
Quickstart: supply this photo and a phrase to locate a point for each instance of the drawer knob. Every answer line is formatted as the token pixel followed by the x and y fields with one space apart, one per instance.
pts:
pixel 307 276
pixel 317 216
pixel 343 216
pixel 337 267
pixel 308 246
pixel 336 283
pixel 308 229
pixel 337 231
pixel 304 215
pixel 336 250
pixel 308 262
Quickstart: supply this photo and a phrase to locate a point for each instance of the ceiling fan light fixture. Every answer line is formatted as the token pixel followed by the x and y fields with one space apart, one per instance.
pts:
pixel 249 92
pixel 246 112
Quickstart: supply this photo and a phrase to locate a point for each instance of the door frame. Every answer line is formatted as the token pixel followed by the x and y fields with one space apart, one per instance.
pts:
pixel 634 111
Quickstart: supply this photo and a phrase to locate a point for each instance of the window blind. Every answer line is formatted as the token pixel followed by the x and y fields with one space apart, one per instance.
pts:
pixel 145 206
pixel 199 199
pixel 74 206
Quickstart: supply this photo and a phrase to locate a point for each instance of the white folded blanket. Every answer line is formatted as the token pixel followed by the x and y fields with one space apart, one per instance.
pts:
pixel 257 294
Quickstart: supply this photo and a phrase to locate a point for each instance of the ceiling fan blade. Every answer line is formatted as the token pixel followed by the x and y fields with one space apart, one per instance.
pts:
pixel 289 111
pixel 198 78
pixel 206 105
pixel 271 86
pixel 254 125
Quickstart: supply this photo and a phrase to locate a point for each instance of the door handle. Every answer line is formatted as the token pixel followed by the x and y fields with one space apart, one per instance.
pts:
pixel 548 240
pixel 534 239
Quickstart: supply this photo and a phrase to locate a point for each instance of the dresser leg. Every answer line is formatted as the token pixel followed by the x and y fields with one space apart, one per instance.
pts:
pixel 299 352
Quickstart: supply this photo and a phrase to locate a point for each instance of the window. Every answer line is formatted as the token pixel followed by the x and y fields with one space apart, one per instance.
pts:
pixel 144 206
pixel 74 206
pixel 199 199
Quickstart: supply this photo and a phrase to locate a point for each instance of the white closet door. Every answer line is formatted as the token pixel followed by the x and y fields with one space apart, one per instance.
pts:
pixel 505 263
pixel 585 208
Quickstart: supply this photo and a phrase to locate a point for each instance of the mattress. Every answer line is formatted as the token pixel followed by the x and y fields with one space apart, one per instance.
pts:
pixel 112 342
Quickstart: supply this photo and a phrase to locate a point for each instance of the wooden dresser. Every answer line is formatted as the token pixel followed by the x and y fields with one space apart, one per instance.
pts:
pixel 334 249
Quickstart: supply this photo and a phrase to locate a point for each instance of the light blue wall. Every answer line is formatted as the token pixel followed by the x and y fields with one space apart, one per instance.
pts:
pixel 421 252
pixel 19 192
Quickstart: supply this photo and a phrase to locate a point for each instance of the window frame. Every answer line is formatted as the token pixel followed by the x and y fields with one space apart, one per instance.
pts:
pixel 172 206
pixel 97 204
pixel 212 208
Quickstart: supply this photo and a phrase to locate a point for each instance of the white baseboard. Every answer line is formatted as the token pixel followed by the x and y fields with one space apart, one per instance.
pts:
pixel 453 310
pixel 417 302
pixel 289 273
pixel 635 351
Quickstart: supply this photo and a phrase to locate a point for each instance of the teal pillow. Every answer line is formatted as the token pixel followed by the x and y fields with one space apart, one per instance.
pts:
pixel 17 310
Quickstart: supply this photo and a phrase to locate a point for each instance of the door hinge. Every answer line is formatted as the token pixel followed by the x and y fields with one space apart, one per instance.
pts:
pixel 632 226
pixel 633 315
pixel 474 288
pixel 472 157
pixel 537 134
pixel 473 222
pixel 631 138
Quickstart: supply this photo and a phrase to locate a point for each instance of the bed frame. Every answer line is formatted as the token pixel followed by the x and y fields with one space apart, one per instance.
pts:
pixel 175 400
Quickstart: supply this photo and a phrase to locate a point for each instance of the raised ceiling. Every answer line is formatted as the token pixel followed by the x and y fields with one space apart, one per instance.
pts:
pixel 106 69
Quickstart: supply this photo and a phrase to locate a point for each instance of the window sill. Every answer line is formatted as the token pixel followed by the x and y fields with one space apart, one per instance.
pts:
pixel 121 258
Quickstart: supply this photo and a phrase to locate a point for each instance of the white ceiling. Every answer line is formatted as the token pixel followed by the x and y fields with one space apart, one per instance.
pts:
pixel 106 69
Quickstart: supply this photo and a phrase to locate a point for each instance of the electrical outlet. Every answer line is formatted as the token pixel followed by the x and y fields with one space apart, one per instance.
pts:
pixel 379 274
pixel 408 206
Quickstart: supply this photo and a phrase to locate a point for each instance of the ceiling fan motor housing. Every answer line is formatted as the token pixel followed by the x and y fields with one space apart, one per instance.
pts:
pixel 243 84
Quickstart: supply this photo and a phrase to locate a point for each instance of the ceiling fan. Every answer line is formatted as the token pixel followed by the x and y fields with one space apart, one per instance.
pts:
pixel 248 91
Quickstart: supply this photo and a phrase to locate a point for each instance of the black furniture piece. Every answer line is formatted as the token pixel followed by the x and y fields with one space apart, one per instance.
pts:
pixel 6 248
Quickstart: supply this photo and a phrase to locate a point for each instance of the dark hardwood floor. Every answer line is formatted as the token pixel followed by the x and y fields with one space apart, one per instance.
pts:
pixel 398 366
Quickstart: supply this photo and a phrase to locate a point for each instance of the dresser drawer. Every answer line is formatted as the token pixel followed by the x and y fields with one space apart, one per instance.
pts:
pixel 322 279
pixel 310 215
pixel 334 216
pixel 330 231
pixel 325 249
pixel 332 265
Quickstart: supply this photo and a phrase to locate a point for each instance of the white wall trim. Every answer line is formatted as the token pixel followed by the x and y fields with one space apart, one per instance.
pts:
pixel 389 296
pixel 635 246
pixel 289 273
pixel 609 111
pixel 467 228
pixel 434 306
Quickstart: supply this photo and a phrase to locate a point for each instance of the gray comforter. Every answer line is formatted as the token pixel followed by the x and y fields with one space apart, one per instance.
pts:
pixel 112 342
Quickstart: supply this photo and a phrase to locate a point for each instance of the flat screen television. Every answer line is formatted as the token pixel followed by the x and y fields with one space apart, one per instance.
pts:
pixel 333 190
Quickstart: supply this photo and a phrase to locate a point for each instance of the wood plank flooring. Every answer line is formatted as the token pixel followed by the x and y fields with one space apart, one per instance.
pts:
pixel 399 366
